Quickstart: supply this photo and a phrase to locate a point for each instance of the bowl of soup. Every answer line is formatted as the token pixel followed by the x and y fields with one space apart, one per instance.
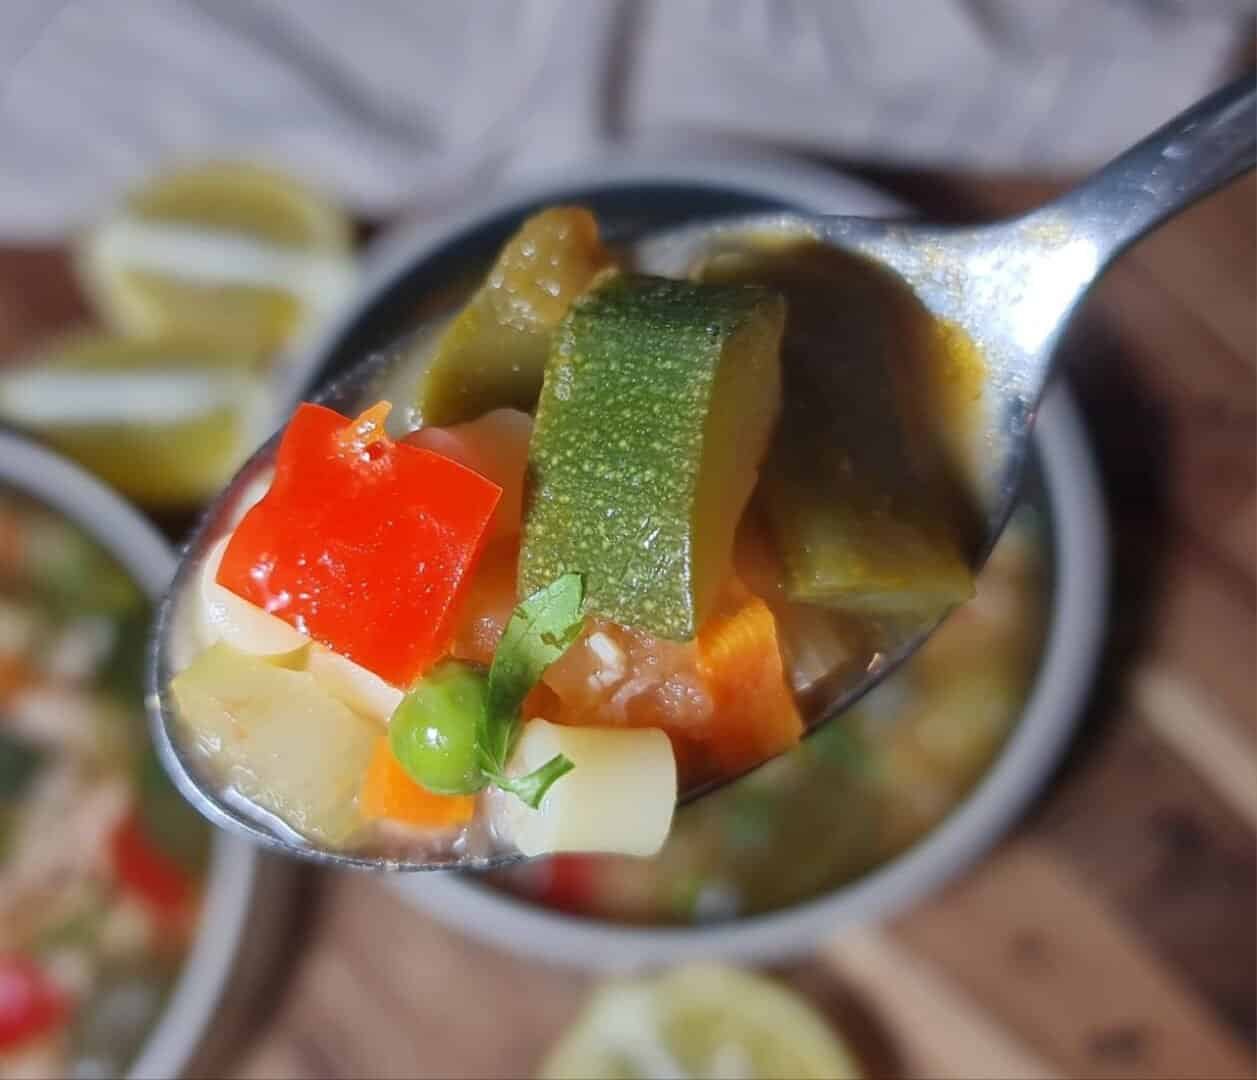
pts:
pixel 880 806
pixel 120 909
pixel 872 811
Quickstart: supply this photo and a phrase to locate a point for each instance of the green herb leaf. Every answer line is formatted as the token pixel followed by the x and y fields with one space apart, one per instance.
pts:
pixel 540 630
pixel 533 787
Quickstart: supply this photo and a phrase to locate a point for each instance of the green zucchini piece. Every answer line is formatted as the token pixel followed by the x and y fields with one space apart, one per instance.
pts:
pixel 659 402
pixel 858 496
pixel 493 354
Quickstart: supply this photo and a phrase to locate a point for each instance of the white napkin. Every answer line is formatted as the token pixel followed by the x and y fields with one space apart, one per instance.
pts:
pixel 409 104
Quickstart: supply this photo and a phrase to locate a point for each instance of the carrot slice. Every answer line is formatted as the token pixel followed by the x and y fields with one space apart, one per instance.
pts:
pixel 387 792
pixel 739 660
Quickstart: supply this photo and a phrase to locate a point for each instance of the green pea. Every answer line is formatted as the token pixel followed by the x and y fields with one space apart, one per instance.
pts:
pixel 433 731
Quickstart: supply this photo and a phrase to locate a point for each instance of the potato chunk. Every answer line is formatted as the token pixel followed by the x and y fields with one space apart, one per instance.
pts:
pixel 278 738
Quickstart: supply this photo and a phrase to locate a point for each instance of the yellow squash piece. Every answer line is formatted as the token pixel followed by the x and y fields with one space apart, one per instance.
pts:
pixel 863 501
pixel 278 738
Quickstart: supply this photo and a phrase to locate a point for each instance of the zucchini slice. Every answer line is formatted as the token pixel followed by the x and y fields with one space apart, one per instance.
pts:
pixel 856 486
pixel 659 401
pixel 493 354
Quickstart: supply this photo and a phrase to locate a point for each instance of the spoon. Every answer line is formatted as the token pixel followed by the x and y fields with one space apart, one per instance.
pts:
pixel 1012 286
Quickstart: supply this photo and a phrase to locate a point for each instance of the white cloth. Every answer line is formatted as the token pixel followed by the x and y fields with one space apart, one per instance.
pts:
pixel 407 104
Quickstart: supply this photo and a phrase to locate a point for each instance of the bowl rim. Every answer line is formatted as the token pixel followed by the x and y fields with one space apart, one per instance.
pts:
pixel 391 253
pixel 45 476
pixel 1028 757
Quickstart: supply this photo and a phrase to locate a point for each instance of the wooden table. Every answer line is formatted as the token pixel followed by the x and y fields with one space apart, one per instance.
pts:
pixel 1112 935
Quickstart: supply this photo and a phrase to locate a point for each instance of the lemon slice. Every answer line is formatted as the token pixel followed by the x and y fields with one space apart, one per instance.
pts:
pixel 165 421
pixel 698 1022
pixel 226 252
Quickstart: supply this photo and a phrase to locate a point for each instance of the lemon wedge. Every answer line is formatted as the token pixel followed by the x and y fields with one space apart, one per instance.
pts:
pixel 165 421
pixel 226 252
pixel 699 1022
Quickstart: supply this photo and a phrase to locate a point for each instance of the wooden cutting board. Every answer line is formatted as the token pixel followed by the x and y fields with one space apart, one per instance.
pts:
pixel 1112 935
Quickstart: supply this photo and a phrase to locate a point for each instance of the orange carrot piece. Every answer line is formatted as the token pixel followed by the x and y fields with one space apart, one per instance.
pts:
pixel 754 715
pixel 388 792
pixel 14 673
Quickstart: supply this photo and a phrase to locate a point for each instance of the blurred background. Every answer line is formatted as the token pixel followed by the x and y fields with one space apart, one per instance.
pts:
pixel 193 192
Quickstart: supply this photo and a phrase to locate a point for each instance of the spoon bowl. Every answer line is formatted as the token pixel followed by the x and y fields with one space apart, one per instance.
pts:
pixel 1010 286
pixel 1013 286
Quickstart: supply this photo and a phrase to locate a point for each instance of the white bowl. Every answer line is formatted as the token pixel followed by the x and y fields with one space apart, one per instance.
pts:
pixel 1032 750
pixel 230 883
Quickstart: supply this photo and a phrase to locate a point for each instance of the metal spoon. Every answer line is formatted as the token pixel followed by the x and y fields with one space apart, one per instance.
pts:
pixel 1013 286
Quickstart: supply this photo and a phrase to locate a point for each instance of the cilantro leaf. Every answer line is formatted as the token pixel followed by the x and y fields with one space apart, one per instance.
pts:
pixel 533 787
pixel 540 630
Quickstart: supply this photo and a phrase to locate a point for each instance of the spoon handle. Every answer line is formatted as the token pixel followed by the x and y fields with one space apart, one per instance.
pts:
pixel 1193 155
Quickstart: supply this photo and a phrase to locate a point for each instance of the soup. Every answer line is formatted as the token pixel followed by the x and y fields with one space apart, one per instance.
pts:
pixel 101 862
pixel 607 538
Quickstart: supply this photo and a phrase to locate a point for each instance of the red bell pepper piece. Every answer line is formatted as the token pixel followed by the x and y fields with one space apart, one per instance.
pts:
pixel 362 543
pixel 160 882
pixel 31 1004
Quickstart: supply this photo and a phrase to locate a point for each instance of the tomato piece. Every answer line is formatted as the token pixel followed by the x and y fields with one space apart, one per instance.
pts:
pixel 494 445
pixel 160 882
pixel 31 1004
pixel 362 543
pixel 489 604
pixel 570 883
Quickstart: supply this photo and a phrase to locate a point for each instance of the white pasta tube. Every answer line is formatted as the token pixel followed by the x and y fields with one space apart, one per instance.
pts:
pixel 617 800
pixel 362 690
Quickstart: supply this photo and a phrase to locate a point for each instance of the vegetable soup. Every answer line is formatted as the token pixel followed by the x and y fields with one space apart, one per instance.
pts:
pixel 605 539
pixel 101 861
